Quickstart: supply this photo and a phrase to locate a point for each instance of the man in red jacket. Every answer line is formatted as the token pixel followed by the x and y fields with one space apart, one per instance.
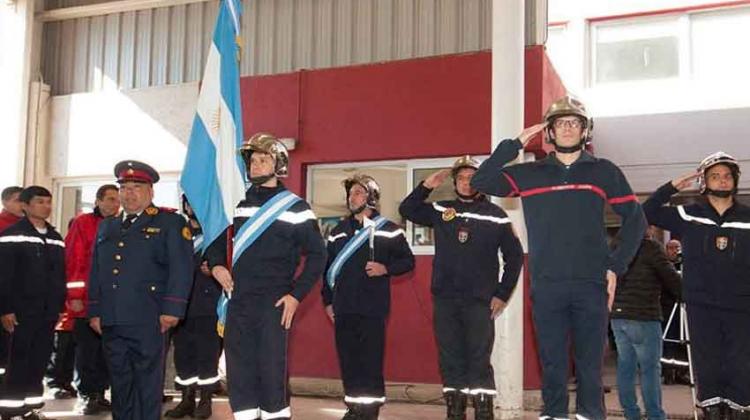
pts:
pixel 93 376
pixel 10 214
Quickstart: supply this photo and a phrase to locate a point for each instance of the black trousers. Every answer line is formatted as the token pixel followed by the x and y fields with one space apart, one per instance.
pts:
pixel 61 363
pixel 90 363
pixel 720 339
pixel 135 356
pixel 360 343
pixel 197 347
pixel 465 334
pixel 255 345
pixel 29 350
pixel 3 350
pixel 565 312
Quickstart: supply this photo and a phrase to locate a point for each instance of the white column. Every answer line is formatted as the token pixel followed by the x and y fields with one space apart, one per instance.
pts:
pixel 507 122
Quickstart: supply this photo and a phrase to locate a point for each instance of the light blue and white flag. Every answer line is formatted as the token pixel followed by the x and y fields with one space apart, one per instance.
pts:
pixel 213 177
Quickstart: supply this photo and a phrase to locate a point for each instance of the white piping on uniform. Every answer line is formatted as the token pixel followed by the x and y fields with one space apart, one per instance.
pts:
pixel 493 219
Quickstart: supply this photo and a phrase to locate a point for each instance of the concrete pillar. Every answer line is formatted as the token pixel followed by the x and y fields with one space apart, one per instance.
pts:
pixel 507 122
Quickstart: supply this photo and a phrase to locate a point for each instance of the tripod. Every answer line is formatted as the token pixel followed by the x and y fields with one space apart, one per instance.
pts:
pixel 684 339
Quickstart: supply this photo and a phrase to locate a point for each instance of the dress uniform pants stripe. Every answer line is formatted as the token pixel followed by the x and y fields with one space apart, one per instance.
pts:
pixel 197 347
pixel 465 334
pixel 720 339
pixel 29 349
pixel 256 352
pixel 135 355
pixel 576 311
pixel 360 343
pixel 91 366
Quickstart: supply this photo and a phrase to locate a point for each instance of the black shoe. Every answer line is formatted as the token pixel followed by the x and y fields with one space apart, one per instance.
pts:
pixel 353 412
pixel 36 415
pixel 715 412
pixel 62 393
pixel 103 403
pixel 483 407
pixel 185 407
pixel 204 410
pixel 455 404
pixel 371 411
pixel 738 414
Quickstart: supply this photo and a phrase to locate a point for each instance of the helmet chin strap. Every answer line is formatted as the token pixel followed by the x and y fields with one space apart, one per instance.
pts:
pixel 358 210
pixel 260 180
pixel 466 197
pixel 568 149
pixel 720 193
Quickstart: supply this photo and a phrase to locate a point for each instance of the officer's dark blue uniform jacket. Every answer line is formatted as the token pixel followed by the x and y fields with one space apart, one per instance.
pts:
pixel 715 249
pixel 564 212
pixel 355 292
pixel 267 266
pixel 205 293
pixel 32 271
pixel 466 263
pixel 142 272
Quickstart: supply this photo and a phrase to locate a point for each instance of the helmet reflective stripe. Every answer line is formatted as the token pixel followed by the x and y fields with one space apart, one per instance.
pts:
pixel 269 144
pixel 715 159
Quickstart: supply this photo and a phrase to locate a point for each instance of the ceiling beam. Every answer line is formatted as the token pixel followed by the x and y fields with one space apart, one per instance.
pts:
pixel 106 8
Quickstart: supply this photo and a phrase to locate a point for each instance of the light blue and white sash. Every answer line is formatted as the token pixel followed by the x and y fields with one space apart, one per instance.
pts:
pixel 350 248
pixel 198 244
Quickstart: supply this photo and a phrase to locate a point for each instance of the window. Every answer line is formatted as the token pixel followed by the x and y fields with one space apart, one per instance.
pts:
pixel 628 51
pixel 718 44
pixel 74 197
pixel 396 178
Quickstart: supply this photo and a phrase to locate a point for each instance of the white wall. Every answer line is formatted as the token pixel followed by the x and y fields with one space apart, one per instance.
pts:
pixel 652 149
pixel 90 132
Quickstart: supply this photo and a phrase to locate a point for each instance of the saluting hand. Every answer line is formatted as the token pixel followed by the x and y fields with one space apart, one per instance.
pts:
pixel 290 307
pixel 497 306
pixel 9 322
pixel 611 288
pixel 167 322
pixel 528 133
pixel 224 277
pixel 685 181
pixel 436 179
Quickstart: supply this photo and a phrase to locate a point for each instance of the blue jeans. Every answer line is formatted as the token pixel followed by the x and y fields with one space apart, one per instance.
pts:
pixel 639 347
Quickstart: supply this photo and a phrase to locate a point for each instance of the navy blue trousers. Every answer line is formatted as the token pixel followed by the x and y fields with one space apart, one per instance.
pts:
pixel 135 355
pixel 568 312
pixel 91 366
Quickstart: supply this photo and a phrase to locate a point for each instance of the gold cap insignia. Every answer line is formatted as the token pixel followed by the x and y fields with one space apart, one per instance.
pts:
pixel 449 214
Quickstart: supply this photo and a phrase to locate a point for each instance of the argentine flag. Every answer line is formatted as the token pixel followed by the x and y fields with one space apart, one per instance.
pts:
pixel 213 177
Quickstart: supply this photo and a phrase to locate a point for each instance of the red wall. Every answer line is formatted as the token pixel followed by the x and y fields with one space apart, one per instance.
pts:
pixel 421 108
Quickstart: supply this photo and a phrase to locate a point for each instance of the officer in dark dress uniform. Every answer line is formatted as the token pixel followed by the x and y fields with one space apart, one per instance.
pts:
pixel 197 344
pixel 138 288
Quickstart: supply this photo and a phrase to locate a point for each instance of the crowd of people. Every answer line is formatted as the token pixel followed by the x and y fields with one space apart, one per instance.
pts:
pixel 130 275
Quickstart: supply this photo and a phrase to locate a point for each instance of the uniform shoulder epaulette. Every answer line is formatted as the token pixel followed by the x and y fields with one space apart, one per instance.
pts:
pixel 152 211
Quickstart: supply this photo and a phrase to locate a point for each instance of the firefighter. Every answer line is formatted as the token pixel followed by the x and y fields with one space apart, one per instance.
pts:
pixel 466 294
pixel 197 344
pixel 715 235
pixel 10 215
pixel 573 271
pixel 90 365
pixel 138 289
pixel 272 229
pixel 32 296
pixel 364 251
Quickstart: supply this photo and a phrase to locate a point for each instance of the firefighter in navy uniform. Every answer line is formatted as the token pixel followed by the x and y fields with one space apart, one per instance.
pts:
pixel 139 285
pixel 364 251
pixel 467 295
pixel 197 344
pixel 32 296
pixel 573 270
pixel 272 229
pixel 715 235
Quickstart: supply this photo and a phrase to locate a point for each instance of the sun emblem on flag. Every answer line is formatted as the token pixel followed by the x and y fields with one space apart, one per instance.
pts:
pixel 216 120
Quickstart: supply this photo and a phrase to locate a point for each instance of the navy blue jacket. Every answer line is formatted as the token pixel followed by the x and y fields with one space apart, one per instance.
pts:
pixel 142 272
pixel 32 273
pixel 205 292
pixel 267 267
pixel 466 263
pixel 715 249
pixel 355 292
pixel 564 212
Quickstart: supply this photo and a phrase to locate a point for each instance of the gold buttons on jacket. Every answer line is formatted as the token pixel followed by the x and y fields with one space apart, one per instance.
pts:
pixel 120 244
pixel 115 271
pixel 118 257
pixel 114 286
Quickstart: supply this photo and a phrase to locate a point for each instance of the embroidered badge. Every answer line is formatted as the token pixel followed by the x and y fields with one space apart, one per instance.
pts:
pixel 722 242
pixel 449 214
pixel 463 235
pixel 152 211
pixel 152 230
pixel 187 234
